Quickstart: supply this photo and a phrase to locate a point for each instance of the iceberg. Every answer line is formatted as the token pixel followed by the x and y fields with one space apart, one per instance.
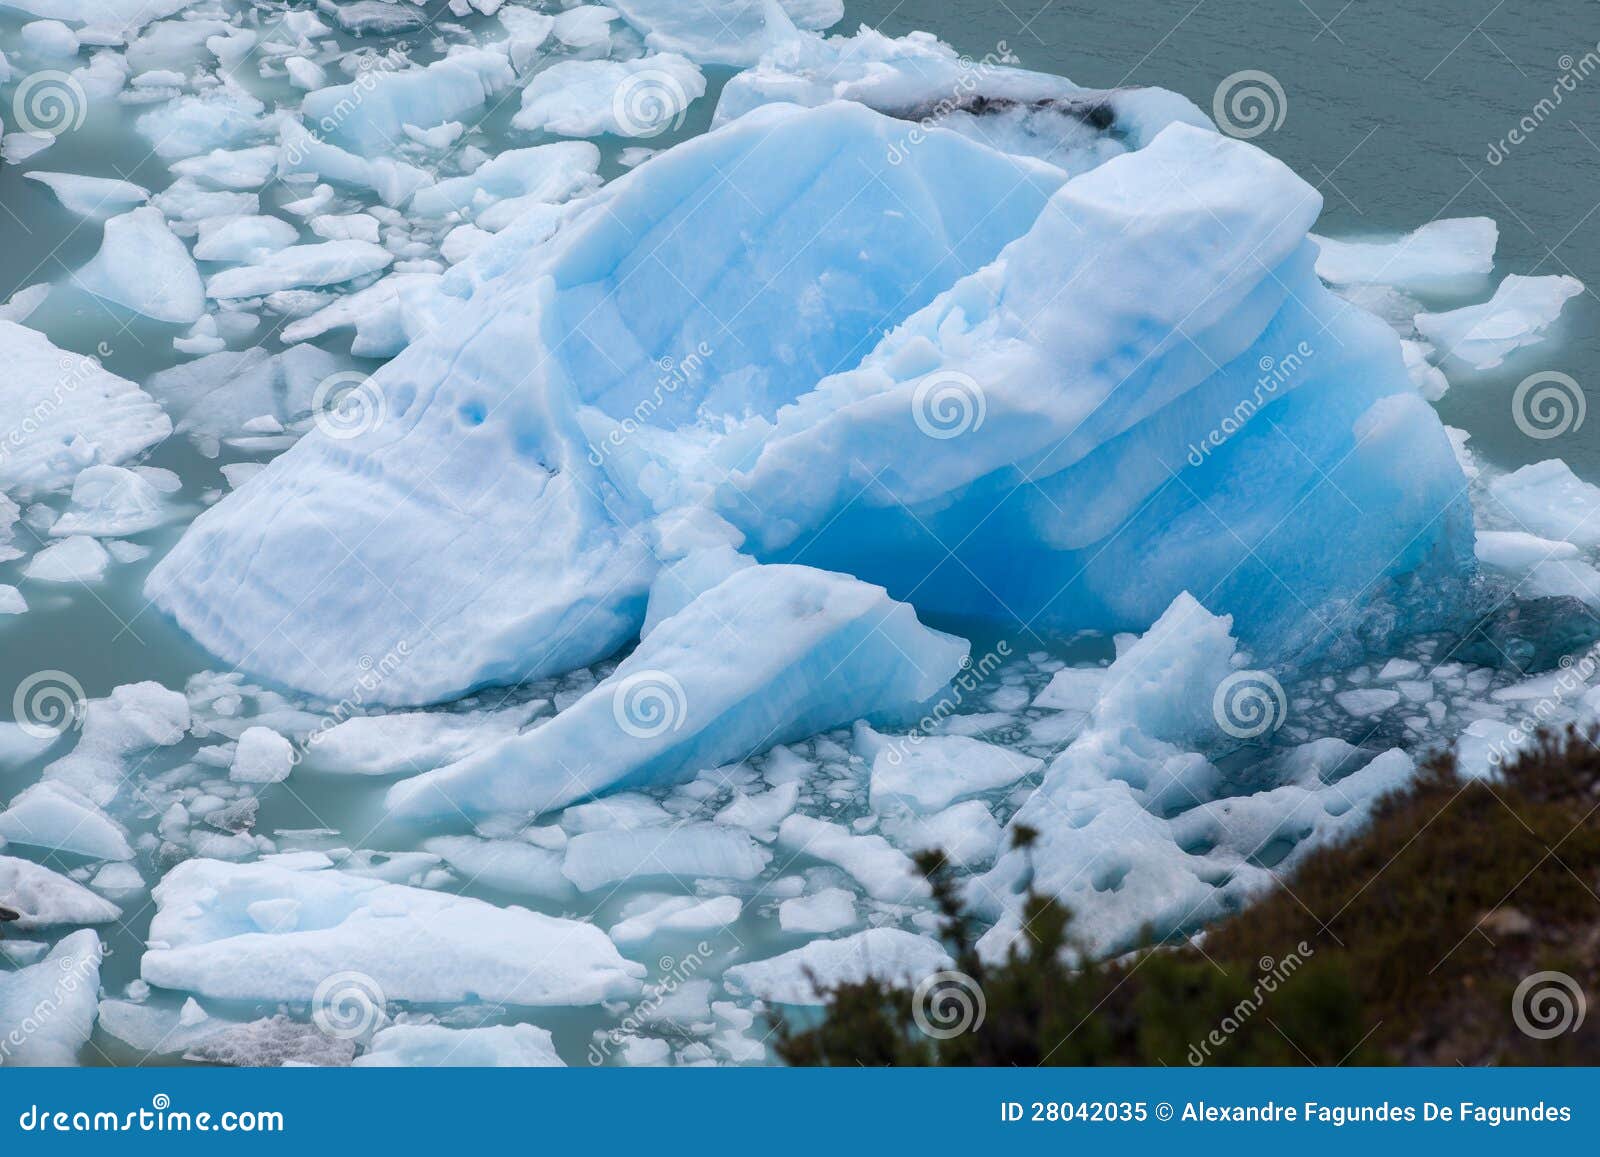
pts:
pixel 693 363
pixel 695 695
pixel 561 575
pixel 406 944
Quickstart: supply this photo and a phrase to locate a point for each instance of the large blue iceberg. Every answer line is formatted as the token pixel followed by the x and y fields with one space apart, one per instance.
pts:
pixel 1049 396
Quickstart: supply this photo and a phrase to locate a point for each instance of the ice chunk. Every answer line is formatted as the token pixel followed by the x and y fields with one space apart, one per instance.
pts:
pixel 413 741
pixel 73 560
pixel 1548 499
pixel 43 897
pixel 632 98
pixel 371 112
pixel 406 943
pixel 1515 553
pixel 262 756
pixel 243 238
pixel 1518 314
pixel 135 717
pixel 110 16
pixel 111 501
pixel 1135 832
pixel 1439 256
pixel 218 395
pixel 966 834
pixel 732 32
pixel 11 601
pixel 187 126
pixel 328 263
pixel 231 168
pixel 924 83
pixel 435 1046
pixel 95 198
pixel 884 871
pixel 645 917
pixel 696 695
pixel 687 852
pixel 830 910
pixel 547 173
pixel 142 265
pixel 54 816
pixel 585 26
pixel 1073 689
pixel 928 773
pixel 302 153
pixel 802 976
pixel 47 1010
pixel 72 413
pixel 512 866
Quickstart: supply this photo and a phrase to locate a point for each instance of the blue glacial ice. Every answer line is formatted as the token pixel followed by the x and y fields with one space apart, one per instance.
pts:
pixel 819 438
